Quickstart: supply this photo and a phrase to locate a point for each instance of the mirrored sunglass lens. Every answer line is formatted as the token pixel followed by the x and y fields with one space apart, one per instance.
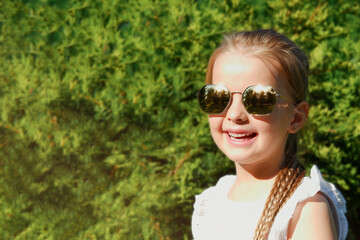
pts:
pixel 259 99
pixel 214 98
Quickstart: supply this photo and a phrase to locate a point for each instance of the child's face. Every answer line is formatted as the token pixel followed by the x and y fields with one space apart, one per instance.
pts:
pixel 244 138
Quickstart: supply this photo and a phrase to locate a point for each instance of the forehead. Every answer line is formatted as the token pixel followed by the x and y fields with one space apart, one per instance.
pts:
pixel 238 71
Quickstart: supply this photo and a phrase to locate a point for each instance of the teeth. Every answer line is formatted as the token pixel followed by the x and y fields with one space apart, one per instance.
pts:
pixel 239 135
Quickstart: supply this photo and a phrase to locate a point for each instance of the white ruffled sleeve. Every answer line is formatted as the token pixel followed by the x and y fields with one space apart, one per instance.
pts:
pixel 308 188
pixel 203 208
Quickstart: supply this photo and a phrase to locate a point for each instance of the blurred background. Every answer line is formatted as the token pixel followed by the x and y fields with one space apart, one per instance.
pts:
pixel 100 133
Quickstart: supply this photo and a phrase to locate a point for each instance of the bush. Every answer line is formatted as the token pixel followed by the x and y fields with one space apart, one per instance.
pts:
pixel 101 136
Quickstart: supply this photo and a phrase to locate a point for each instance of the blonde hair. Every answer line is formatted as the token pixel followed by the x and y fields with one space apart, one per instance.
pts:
pixel 292 64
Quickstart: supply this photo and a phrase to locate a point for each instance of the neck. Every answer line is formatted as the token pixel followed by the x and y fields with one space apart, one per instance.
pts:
pixel 253 183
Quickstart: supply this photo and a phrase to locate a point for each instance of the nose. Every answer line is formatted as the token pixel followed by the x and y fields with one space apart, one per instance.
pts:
pixel 236 112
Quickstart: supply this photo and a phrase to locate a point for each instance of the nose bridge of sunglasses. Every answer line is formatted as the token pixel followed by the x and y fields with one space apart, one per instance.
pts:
pixel 232 93
pixel 237 101
pixel 232 96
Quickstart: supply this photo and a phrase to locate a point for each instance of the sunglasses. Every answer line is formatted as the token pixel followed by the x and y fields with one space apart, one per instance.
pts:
pixel 257 99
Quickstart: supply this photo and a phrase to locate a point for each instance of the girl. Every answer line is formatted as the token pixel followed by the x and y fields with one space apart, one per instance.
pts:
pixel 255 98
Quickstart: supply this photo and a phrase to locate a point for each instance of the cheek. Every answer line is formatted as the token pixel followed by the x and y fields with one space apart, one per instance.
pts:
pixel 215 124
pixel 279 125
pixel 281 115
pixel 274 125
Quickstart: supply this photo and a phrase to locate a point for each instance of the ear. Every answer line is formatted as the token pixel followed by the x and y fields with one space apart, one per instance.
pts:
pixel 301 112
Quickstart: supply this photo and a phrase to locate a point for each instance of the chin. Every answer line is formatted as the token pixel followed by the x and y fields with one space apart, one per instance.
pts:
pixel 238 156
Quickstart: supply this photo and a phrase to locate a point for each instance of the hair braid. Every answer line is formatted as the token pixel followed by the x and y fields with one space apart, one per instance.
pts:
pixel 287 180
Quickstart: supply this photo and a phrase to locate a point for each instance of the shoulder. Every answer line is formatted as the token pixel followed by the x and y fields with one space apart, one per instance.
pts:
pixel 312 219
pixel 220 189
pixel 315 199
pixel 223 185
pixel 320 210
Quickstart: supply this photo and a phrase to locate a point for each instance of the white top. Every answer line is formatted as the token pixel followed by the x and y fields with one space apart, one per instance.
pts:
pixel 215 217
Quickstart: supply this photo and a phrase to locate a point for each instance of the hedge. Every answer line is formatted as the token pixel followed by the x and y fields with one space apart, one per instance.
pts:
pixel 100 133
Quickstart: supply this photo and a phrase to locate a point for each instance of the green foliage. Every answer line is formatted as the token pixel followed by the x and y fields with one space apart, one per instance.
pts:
pixel 100 133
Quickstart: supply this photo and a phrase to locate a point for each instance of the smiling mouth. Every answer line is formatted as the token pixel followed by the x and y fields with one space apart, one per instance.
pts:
pixel 242 136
